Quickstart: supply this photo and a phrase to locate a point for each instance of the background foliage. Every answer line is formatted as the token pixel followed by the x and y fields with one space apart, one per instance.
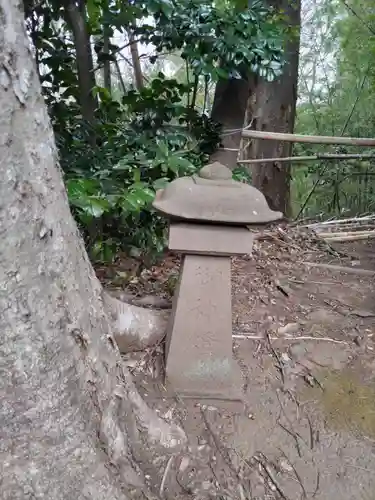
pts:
pixel 118 144
pixel 336 97
pixel 143 125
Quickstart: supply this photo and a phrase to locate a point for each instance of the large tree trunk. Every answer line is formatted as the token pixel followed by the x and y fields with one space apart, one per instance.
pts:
pixel 72 424
pixel 272 107
pixel 228 109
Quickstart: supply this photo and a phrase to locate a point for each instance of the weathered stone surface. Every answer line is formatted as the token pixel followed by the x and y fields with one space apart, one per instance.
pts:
pixel 199 337
pixel 210 239
pixel 215 171
pixel 214 197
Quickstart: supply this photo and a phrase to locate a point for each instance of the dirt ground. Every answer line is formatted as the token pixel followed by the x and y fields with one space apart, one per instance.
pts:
pixel 304 339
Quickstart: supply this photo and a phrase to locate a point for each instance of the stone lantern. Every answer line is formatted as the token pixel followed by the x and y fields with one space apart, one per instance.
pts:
pixel 209 214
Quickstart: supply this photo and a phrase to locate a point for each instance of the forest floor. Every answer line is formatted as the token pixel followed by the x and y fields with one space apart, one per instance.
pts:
pixel 304 339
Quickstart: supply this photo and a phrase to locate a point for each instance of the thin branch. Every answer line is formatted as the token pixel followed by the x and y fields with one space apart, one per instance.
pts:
pixel 363 22
pixel 355 143
pixel 356 99
pixel 118 50
pixel 312 190
pixel 120 77
pixel 131 65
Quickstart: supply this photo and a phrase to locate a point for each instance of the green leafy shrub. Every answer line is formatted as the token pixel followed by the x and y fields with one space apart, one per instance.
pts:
pixel 217 42
pixel 151 139
pixel 132 146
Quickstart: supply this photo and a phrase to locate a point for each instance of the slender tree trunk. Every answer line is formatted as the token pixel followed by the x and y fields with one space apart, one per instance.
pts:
pixel 107 63
pixel 120 78
pixel 72 424
pixel 85 66
pixel 272 107
pixel 138 75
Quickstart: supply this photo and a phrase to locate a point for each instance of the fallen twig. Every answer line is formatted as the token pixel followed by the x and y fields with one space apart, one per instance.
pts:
pixel 167 469
pixel 317 486
pixel 279 365
pixel 309 377
pixel 298 477
pixel 311 432
pixel 262 461
pixel 218 445
pixel 293 435
pixel 304 337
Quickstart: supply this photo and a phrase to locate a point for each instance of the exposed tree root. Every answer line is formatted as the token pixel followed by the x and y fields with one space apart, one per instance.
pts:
pixel 135 328
pixel 151 432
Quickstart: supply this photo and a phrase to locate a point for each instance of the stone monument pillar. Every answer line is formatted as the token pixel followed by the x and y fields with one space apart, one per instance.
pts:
pixel 209 214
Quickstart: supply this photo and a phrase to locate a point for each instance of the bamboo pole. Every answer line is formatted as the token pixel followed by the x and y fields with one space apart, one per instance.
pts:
pixel 352 237
pixel 312 139
pixel 341 221
pixel 309 158
pixel 339 228
pixel 339 234
pixel 341 269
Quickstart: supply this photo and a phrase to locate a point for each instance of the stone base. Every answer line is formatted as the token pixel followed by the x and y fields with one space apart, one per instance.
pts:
pixel 199 361
pixel 209 389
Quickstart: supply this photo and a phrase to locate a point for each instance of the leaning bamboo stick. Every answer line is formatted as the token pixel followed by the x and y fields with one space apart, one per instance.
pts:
pixel 312 139
pixel 350 226
pixel 353 237
pixel 302 159
pixel 340 234
pixel 341 221
pixel 341 269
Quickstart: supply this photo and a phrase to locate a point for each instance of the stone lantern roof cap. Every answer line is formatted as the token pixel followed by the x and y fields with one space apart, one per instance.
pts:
pixel 213 196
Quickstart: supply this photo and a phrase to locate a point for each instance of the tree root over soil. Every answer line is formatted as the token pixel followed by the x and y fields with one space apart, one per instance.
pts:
pixel 135 328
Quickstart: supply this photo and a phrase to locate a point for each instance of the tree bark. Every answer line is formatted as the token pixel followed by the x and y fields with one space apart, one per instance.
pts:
pixel 85 65
pixel 272 107
pixel 228 109
pixel 72 423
